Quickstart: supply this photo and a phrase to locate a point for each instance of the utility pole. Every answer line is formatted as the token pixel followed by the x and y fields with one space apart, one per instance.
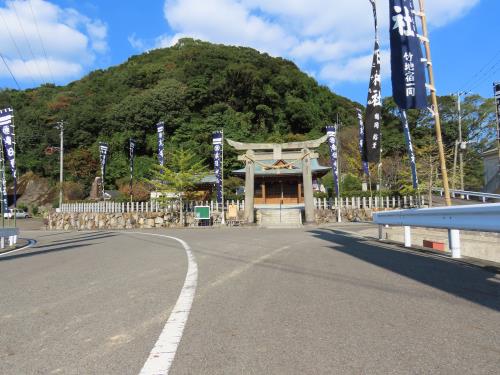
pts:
pixel 462 145
pixel 435 109
pixel 60 126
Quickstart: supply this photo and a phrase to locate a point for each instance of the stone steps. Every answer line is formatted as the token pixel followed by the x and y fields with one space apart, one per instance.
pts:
pixel 276 218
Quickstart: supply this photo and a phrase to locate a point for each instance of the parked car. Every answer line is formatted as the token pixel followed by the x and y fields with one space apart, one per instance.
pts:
pixel 20 214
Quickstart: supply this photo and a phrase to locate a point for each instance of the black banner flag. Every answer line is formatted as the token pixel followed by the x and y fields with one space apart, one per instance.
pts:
pixel 497 101
pixel 217 142
pixel 160 127
pixel 408 69
pixel 131 155
pixel 374 103
pixel 103 154
pixel 331 132
pixel 362 148
pixel 7 128
pixel 409 147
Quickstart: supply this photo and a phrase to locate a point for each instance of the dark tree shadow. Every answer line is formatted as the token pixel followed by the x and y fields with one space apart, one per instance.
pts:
pixel 465 281
pixel 42 252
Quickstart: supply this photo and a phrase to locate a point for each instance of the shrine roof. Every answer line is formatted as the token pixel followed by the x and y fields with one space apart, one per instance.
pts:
pixel 283 167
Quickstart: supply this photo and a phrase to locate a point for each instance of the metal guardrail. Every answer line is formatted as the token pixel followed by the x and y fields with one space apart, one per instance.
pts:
pixel 11 234
pixel 478 217
pixel 468 194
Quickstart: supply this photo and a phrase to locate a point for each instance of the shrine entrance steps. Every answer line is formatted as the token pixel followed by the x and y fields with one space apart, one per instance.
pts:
pixel 279 218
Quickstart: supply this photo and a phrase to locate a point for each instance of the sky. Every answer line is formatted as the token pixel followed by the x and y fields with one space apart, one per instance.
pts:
pixel 331 40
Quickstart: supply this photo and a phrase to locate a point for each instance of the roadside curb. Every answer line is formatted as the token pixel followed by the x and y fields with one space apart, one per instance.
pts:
pixel 22 244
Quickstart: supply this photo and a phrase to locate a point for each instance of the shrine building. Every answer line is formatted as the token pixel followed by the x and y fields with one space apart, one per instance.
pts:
pixel 279 174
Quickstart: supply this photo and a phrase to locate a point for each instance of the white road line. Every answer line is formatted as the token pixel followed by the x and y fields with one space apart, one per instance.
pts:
pixel 162 355
pixel 30 243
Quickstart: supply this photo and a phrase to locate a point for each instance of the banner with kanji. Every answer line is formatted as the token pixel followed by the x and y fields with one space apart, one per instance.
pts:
pixel 407 65
pixel 217 142
pixel 497 101
pixel 409 148
pixel 7 128
pixel 103 155
pixel 160 127
pixel 362 148
pixel 331 132
pixel 374 103
pixel 132 156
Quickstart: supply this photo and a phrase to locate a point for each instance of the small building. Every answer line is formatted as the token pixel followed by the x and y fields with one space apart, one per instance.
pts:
pixel 279 173
pixel 280 181
pixel 491 171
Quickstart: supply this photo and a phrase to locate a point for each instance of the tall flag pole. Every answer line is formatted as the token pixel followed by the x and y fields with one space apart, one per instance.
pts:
pixel 362 148
pixel 132 156
pixel 7 128
pixel 218 144
pixel 409 147
pixel 374 107
pixel 103 153
pixel 160 127
pixel 405 26
pixel 496 87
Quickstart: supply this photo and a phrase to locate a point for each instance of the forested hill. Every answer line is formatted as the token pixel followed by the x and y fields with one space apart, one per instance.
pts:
pixel 194 87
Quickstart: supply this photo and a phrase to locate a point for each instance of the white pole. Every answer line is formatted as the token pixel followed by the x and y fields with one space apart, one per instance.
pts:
pixel 454 243
pixel 407 236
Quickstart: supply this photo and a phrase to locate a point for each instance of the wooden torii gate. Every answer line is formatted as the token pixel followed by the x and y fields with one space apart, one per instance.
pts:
pixel 290 151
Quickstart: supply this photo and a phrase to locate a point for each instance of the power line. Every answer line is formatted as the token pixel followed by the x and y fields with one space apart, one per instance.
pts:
pixel 10 71
pixel 17 49
pixel 41 42
pixel 482 74
pixel 488 74
pixel 27 41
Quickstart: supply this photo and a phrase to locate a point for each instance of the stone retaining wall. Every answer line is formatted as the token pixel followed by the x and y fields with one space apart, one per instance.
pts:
pixel 134 220
pixel 148 220
pixel 348 214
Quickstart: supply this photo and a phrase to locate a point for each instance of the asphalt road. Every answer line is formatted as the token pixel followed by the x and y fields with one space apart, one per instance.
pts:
pixel 307 301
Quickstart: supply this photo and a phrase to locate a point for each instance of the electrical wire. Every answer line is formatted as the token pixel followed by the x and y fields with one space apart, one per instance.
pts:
pixel 17 49
pixel 484 73
pixel 27 41
pixel 10 71
pixel 41 42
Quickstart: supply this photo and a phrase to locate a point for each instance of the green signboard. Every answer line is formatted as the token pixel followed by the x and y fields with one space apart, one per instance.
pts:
pixel 202 212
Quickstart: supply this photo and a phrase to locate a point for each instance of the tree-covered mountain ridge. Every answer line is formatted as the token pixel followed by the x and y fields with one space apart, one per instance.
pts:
pixel 195 87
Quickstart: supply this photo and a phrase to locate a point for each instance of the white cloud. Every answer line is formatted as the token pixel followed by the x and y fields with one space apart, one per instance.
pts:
pixel 72 41
pixel 334 38
pixel 355 69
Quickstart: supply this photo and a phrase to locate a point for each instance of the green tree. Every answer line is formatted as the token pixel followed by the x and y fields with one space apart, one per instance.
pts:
pixel 178 178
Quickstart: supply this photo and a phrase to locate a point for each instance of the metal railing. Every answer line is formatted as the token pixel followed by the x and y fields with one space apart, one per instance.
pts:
pixel 468 194
pixel 478 217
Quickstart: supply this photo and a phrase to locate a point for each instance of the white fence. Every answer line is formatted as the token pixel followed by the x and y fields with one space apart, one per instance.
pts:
pixel 154 206
pixel 478 217
pixel 370 202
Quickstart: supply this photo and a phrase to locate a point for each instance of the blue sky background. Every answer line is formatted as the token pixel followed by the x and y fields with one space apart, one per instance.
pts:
pixel 331 42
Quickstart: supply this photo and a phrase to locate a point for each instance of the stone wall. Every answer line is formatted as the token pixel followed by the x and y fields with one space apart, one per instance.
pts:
pixel 348 214
pixel 134 220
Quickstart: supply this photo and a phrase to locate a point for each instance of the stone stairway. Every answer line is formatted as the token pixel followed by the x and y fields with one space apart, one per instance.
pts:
pixel 276 218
